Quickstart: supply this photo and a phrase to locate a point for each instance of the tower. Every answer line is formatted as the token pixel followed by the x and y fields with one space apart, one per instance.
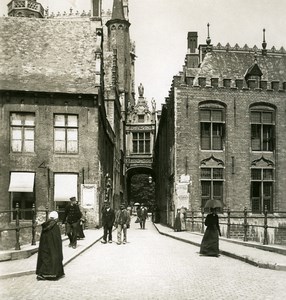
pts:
pixel 119 43
pixel 28 9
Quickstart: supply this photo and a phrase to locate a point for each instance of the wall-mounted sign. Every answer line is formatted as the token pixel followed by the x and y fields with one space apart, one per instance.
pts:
pixel 88 195
pixel 185 178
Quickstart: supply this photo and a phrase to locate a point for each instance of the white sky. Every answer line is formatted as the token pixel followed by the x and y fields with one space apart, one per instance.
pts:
pixel 160 27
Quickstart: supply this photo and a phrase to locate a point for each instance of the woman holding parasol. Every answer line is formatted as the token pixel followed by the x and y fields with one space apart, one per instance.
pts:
pixel 210 241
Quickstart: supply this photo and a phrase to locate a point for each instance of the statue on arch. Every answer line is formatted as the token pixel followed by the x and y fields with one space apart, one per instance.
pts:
pixel 141 90
pixel 153 102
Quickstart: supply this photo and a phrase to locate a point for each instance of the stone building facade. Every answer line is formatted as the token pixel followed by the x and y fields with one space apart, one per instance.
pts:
pixel 140 138
pixel 222 133
pixel 63 94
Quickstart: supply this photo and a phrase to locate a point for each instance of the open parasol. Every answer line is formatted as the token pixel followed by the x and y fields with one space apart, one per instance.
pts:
pixel 214 204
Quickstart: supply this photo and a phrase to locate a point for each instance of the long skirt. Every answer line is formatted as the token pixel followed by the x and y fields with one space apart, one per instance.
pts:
pixel 209 245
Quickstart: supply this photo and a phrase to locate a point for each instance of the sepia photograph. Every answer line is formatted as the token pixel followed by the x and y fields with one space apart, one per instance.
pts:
pixel 142 150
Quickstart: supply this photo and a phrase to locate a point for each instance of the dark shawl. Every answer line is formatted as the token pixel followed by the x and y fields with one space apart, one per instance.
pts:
pixel 50 253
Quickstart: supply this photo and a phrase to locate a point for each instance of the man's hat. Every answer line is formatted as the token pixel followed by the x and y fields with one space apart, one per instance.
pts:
pixel 122 205
pixel 72 198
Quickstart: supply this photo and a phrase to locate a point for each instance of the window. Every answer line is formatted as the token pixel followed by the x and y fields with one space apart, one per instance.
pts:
pixel 211 184
pixel 262 130
pixel 261 189
pixel 141 118
pixel 22 132
pixel 65 186
pixel 212 129
pixel 66 133
pixel 22 193
pixel 141 142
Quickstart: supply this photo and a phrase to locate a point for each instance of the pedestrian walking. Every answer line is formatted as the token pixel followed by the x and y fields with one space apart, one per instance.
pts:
pixel 177 224
pixel 210 241
pixel 80 231
pixel 72 218
pixel 183 218
pixel 108 218
pixel 122 222
pixel 50 253
pixel 142 215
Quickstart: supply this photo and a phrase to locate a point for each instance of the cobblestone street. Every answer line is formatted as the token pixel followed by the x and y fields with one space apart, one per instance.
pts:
pixel 150 266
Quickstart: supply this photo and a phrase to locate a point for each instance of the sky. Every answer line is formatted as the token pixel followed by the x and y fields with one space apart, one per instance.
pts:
pixel 160 27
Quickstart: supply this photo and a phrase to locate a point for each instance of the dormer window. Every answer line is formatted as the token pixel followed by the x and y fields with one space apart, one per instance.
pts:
pixel 141 118
pixel 253 76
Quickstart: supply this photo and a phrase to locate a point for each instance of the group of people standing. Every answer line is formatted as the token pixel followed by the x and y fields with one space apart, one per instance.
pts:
pixel 120 219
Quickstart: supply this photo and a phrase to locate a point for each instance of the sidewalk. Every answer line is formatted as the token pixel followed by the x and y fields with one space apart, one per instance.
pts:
pixel 263 256
pixel 25 266
pixel 270 257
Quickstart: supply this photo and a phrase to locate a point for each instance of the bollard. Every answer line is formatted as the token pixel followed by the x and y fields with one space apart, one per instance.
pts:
pixel 245 225
pixel 265 241
pixel 228 223
pixel 17 245
pixel 33 225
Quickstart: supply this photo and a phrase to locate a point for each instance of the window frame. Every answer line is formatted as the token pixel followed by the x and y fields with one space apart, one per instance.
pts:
pixel 261 183
pixel 66 130
pixel 23 128
pixel 212 180
pixel 213 125
pixel 259 129
pixel 143 143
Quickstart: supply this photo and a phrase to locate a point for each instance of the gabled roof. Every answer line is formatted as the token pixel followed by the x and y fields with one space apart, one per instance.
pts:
pixel 48 55
pixel 254 70
pixel 234 65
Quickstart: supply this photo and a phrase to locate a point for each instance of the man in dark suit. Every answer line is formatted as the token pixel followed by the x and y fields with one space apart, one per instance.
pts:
pixel 108 217
pixel 71 219
pixel 142 215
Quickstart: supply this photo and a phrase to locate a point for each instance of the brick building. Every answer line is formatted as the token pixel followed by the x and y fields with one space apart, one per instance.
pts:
pixel 222 132
pixel 64 90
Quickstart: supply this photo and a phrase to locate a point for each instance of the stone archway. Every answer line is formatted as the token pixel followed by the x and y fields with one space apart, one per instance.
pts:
pixel 141 186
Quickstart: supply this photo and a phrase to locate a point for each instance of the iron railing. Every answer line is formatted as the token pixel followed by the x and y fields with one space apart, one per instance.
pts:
pixel 228 216
pixel 16 212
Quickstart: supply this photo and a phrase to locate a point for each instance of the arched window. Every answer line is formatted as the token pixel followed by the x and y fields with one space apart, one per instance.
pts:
pixel 262 120
pixel 212 126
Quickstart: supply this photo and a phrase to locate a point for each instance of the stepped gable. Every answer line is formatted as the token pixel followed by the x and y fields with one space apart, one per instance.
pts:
pixel 59 53
pixel 233 62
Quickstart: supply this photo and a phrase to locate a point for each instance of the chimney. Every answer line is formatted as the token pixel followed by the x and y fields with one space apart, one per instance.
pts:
pixel 192 41
pixel 96 8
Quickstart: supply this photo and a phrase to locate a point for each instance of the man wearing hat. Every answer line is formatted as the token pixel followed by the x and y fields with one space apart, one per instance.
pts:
pixel 122 222
pixel 108 217
pixel 72 218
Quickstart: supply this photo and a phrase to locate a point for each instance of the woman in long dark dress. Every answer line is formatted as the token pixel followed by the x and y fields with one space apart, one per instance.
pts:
pixel 50 253
pixel 210 241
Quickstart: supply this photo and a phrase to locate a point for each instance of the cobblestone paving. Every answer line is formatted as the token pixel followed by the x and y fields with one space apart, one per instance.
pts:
pixel 150 266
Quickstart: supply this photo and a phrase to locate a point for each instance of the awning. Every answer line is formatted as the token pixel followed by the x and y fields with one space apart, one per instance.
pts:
pixel 22 182
pixel 65 187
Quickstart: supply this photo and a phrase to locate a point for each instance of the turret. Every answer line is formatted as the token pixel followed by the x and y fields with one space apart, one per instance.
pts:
pixel 28 9
pixel 119 43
